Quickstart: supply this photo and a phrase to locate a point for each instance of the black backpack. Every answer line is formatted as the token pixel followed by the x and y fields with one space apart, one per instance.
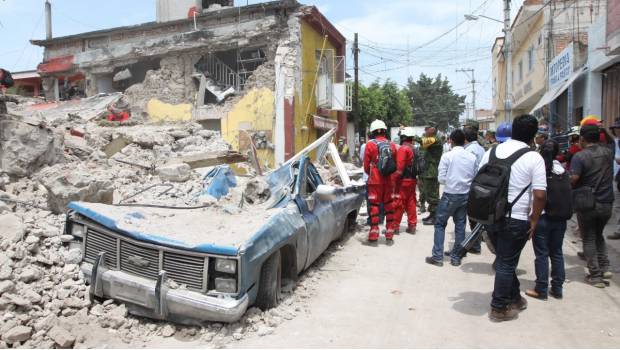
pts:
pixel 559 200
pixel 488 194
pixel 385 161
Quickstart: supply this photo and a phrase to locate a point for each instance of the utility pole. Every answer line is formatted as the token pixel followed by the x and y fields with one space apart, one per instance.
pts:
pixel 507 62
pixel 356 84
pixel 473 88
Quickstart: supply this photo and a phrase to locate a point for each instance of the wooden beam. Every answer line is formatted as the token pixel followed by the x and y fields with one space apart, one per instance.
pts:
pixel 202 160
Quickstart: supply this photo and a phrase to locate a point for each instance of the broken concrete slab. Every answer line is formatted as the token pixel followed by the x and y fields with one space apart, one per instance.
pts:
pixel 77 146
pixel 174 172
pixel 115 146
pixel 26 148
pixel 17 334
pixel 66 185
pixel 61 336
pixel 11 228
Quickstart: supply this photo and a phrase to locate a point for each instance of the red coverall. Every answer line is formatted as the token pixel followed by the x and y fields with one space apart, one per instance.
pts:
pixel 380 189
pixel 405 187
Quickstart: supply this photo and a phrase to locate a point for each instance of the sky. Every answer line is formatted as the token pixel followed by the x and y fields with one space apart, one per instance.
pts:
pixel 398 38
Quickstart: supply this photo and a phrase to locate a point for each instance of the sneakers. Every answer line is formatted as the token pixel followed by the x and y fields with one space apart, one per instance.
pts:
pixel 507 314
pixel 536 295
pixel 389 234
pixel 607 275
pixel 411 229
pixel 614 236
pixel 519 305
pixel 455 262
pixel 597 282
pixel 430 260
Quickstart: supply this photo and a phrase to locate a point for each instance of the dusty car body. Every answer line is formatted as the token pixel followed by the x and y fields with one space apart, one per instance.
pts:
pixel 220 279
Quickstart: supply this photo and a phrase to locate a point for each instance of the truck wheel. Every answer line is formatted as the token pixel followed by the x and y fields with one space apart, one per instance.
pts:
pixel 269 285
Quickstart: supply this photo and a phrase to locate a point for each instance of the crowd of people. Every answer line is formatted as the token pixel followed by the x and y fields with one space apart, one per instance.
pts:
pixel 515 185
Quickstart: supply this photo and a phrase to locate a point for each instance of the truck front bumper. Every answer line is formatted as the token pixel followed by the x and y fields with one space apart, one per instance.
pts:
pixel 153 299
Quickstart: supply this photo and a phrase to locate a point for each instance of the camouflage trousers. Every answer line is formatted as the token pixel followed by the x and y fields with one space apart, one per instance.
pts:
pixel 430 193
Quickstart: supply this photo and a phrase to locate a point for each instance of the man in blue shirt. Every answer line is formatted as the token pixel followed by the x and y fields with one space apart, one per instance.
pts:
pixel 456 172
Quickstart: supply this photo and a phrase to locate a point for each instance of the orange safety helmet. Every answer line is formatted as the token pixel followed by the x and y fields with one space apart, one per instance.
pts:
pixel 591 120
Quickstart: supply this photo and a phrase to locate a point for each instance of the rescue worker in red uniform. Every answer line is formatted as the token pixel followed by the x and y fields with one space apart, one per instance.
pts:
pixel 405 182
pixel 380 188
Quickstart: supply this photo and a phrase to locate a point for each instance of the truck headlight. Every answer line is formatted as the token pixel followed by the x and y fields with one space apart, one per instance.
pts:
pixel 225 265
pixel 225 285
pixel 78 230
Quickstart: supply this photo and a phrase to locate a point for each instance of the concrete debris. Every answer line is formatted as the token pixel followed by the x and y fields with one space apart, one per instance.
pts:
pixel 6 286
pixel 78 146
pixel 175 172
pixel 65 184
pixel 257 191
pixel 17 334
pixel 168 330
pixel 26 148
pixel 61 337
pixel 11 228
pixel 169 83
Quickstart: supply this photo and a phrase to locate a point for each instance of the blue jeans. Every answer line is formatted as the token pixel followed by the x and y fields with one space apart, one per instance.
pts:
pixel 547 243
pixel 454 205
pixel 511 238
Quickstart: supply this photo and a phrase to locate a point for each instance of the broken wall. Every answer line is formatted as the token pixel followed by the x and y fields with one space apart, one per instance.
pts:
pixel 253 114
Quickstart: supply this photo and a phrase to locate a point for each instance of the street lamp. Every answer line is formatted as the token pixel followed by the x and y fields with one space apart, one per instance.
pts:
pixel 476 17
pixel 507 55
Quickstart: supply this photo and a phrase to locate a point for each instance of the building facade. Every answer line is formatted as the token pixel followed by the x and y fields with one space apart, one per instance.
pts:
pixel 269 76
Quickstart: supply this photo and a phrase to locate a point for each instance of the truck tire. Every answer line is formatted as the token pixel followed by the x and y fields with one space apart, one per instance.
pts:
pixel 270 283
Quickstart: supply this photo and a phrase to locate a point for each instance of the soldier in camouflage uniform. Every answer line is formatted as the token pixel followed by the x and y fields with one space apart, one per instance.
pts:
pixel 433 149
pixel 476 126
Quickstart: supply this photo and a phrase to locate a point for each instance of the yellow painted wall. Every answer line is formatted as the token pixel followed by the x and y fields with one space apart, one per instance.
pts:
pixel 161 111
pixel 311 41
pixel 533 81
pixel 254 112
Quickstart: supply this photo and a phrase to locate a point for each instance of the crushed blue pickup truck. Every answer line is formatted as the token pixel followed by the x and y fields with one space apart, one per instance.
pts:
pixel 191 265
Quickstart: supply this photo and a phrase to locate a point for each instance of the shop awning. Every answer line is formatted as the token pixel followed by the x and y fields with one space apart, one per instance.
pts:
pixel 552 94
pixel 323 123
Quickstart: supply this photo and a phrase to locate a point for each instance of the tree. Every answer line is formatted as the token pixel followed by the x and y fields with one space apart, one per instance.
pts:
pixel 432 100
pixel 397 107
pixel 371 104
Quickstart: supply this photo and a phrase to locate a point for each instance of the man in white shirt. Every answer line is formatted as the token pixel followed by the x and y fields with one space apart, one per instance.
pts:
pixel 472 145
pixel 456 172
pixel 513 232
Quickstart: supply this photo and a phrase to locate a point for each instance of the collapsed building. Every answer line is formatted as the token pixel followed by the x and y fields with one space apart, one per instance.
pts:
pixel 270 77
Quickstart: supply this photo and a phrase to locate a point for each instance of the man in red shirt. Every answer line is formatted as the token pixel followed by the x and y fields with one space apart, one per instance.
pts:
pixel 404 180
pixel 380 188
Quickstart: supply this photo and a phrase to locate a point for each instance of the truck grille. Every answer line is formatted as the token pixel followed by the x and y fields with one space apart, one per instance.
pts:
pixel 97 242
pixel 143 261
pixel 185 269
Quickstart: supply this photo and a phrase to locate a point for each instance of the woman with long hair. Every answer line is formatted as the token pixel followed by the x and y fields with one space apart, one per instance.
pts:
pixel 549 235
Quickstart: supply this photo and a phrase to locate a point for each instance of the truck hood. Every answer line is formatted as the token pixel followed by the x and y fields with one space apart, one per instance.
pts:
pixel 204 230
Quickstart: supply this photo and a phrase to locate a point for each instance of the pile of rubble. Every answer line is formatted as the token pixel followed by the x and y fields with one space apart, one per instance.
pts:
pixel 44 300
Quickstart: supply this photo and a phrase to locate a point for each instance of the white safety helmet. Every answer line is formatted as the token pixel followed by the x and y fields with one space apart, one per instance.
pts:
pixel 377 125
pixel 408 132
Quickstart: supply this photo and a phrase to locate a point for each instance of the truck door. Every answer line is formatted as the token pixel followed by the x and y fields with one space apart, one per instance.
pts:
pixel 318 215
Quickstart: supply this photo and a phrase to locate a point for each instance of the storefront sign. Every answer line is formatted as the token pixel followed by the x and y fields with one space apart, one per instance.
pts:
pixel 561 67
